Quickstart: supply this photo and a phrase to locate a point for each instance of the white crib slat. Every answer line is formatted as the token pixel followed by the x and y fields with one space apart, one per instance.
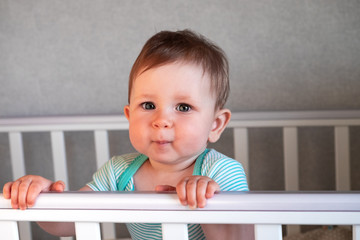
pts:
pixel 171 231
pixel 102 156
pixel 9 230
pixel 268 232
pixel 241 149
pixel 356 232
pixel 342 158
pixel 59 157
pixel 87 230
pixel 59 161
pixel 291 166
pixel 17 154
pixel 101 147
pixel 18 170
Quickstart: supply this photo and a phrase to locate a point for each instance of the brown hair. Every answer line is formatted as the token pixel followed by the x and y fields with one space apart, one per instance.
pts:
pixel 168 47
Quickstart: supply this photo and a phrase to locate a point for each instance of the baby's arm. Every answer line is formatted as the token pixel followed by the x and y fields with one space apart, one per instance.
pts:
pixel 23 193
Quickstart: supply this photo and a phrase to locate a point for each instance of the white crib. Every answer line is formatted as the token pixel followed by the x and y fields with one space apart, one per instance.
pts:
pixel 268 220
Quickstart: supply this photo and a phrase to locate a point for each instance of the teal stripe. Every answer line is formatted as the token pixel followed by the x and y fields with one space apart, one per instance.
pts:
pixel 130 171
pixel 199 163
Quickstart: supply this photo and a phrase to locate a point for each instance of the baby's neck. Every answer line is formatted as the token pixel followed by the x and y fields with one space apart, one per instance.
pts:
pixel 149 176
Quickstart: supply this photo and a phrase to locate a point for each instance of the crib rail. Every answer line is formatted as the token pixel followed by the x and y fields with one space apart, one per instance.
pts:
pixel 267 210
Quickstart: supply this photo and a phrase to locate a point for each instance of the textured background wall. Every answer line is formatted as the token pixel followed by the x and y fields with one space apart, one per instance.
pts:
pixel 73 57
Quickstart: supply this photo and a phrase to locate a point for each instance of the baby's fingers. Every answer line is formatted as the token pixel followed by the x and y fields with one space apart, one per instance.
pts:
pixel 181 191
pixel 7 190
pixel 58 186
pixel 34 189
pixel 194 191
pixel 14 194
pixel 23 190
pixel 206 187
pixel 19 193
pixel 202 192
pixel 212 188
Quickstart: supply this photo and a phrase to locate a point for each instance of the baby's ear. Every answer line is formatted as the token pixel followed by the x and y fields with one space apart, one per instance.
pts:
pixel 221 120
pixel 127 111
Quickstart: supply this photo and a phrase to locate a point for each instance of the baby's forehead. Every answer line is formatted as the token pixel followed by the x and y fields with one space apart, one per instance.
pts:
pixel 179 62
pixel 177 71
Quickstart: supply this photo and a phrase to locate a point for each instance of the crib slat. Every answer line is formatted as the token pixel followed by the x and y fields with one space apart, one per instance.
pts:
pixel 101 147
pixel 268 232
pixel 291 158
pixel 17 154
pixel 102 155
pixel 342 158
pixel 171 231
pixel 356 232
pixel 9 230
pixel 241 148
pixel 59 161
pixel 59 157
pixel 291 165
pixel 18 170
pixel 87 230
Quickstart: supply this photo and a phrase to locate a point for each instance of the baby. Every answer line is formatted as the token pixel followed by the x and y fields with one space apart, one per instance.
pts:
pixel 178 87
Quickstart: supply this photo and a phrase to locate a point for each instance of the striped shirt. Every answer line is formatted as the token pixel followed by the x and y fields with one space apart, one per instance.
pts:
pixel 226 172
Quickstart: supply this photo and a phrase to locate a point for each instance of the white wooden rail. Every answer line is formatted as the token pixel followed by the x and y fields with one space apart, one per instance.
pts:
pixel 267 210
pixel 341 121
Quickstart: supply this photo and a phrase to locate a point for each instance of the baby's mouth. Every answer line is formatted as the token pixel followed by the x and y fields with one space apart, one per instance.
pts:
pixel 162 142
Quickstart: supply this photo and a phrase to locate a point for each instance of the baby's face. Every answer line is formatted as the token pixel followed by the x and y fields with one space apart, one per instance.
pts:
pixel 171 112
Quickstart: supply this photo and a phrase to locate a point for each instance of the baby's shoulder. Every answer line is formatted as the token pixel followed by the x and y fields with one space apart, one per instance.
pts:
pixel 216 161
pixel 214 156
pixel 224 170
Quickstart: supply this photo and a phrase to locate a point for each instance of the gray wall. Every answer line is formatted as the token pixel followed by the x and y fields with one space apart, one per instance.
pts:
pixel 73 57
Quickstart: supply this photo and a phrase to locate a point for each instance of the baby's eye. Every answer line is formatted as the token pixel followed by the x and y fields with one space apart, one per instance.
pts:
pixel 183 107
pixel 148 105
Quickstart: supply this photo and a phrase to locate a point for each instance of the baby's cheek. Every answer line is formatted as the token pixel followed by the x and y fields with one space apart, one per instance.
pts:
pixel 194 138
pixel 137 138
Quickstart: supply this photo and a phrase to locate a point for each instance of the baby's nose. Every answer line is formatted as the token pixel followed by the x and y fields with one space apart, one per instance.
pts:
pixel 162 120
pixel 162 123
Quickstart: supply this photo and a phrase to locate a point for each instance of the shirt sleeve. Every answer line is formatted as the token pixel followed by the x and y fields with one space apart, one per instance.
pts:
pixel 227 172
pixel 104 179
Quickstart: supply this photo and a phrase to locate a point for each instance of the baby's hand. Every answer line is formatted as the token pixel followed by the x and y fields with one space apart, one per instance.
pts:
pixel 194 190
pixel 24 191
